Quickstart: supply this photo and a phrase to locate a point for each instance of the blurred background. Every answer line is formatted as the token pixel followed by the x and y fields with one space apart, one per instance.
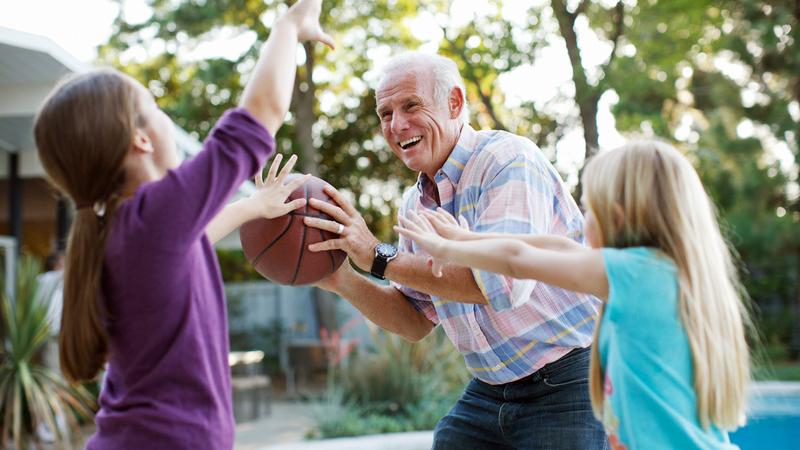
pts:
pixel 719 79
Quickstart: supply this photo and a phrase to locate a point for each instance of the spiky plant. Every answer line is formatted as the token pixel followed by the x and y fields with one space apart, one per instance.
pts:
pixel 30 393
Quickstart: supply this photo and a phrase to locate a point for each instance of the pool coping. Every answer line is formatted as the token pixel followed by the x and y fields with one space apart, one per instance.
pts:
pixel 760 388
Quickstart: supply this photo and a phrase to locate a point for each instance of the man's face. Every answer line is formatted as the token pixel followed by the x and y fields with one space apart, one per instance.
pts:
pixel 419 131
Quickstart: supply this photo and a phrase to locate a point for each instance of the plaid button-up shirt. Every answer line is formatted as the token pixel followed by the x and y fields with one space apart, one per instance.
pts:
pixel 502 183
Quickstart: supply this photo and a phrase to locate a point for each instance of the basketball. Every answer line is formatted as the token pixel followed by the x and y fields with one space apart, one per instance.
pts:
pixel 278 248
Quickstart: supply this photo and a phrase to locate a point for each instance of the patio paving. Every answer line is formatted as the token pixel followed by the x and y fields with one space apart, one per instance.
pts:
pixel 288 422
pixel 418 440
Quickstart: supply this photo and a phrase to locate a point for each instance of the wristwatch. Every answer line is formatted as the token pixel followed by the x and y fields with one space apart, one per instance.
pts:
pixel 384 252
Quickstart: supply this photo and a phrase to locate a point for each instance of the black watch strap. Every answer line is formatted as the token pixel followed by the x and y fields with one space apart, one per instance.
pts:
pixel 379 267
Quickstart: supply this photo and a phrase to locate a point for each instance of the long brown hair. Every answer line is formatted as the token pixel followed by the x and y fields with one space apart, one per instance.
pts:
pixel 83 133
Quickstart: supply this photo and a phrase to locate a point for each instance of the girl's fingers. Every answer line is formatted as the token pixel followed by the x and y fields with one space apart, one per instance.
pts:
pixel 462 221
pixel 273 168
pixel 408 233
pixel 419 221
pixel 437 268
pixel 445 216
pixel 287 169
pixel 294 204
pixel 326 39
pixel 408 224
pixel 296 183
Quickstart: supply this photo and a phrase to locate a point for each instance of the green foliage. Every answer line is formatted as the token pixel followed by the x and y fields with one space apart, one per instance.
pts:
pixel 341 143
pixel 31 393
pixel 235 267
pixel 397 386
pixel 694 71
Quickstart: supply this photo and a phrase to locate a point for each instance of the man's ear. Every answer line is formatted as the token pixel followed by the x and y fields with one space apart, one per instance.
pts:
pixel 141 142
pixel 455 102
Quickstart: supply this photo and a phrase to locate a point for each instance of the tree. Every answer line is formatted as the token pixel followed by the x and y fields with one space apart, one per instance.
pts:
pixel 721 78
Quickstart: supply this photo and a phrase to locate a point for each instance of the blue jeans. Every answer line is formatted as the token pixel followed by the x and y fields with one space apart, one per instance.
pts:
pixel 549 409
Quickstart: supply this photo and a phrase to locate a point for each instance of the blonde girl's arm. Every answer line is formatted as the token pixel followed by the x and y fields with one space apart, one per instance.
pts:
pixel 579 270
pixel 447 227
pixel 269 91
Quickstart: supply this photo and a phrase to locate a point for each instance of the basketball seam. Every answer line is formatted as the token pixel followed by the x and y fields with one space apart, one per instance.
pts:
pixel 302 241
pixel 266 248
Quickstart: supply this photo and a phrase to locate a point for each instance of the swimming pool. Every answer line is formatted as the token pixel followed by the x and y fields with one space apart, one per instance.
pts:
pixel 773 420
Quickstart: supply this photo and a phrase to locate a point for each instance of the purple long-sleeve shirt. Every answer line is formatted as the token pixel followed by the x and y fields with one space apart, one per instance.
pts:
pixel 168 382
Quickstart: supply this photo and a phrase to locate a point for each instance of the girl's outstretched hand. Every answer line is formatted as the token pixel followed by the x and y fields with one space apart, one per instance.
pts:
pixel 269 199
pixel 305 15
pixel 446 225
pixel 419 229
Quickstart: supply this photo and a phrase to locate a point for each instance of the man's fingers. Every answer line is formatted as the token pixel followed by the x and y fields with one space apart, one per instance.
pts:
pixel 340 200
pixel 331 210
pixel 330 244
pixel 322 224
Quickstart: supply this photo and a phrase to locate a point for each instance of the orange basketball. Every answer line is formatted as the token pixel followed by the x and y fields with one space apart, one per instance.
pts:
pixel 278 248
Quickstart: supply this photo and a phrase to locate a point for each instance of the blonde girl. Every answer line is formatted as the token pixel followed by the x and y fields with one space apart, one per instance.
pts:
pixel 670 363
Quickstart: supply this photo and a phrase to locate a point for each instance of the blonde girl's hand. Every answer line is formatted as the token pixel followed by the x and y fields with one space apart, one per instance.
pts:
pixel 447 226
pixel 419 229
pixel 269 199
pixel 305 15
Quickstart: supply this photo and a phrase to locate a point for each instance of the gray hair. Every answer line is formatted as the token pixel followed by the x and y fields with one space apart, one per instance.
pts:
pixel 445 75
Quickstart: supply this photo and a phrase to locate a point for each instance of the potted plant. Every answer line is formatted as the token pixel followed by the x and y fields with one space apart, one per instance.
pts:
pixel 30 393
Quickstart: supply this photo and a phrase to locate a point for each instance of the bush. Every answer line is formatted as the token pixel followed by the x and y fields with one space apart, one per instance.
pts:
pixel 395 387
pixel 31 394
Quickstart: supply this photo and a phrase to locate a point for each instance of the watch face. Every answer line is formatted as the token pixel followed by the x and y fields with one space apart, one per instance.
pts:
pixel 386 250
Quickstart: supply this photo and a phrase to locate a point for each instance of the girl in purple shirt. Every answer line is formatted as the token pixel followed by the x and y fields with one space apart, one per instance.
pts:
pixel 142 287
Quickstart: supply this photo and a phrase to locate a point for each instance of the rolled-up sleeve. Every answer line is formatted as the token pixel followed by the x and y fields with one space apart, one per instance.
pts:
pixel 517 198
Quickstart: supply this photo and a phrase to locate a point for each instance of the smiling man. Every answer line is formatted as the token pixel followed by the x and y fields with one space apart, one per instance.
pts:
pixel 526 343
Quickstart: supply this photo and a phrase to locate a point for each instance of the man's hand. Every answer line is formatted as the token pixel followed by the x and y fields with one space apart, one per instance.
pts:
pixel 337 279
pixel 355 239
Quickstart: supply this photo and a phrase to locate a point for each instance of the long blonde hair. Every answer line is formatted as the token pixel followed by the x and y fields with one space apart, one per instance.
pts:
pixel 663 205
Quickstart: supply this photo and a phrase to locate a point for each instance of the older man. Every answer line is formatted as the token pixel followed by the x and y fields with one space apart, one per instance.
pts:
pixel 526 343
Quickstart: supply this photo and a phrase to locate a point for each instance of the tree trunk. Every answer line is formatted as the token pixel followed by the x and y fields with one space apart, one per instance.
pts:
pixel 585 95
pixel 304 98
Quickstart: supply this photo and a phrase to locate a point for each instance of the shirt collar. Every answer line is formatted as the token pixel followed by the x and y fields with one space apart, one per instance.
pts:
pixel 454 165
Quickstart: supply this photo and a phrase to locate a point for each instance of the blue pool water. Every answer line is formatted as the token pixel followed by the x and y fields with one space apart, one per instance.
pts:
pixel 773 419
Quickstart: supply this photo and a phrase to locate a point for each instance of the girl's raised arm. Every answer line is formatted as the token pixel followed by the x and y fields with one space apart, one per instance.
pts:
pixel 269 91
